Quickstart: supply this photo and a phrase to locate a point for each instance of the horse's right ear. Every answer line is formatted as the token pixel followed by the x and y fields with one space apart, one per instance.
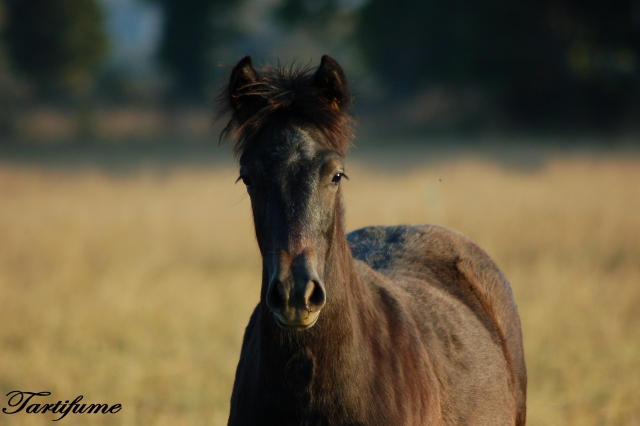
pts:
pixel 242 83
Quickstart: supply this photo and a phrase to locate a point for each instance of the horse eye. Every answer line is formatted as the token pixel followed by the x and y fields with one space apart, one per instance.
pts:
pixel 337 177
pixel 246 180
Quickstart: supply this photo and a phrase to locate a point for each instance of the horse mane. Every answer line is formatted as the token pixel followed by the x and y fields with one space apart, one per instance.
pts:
pixel 284 91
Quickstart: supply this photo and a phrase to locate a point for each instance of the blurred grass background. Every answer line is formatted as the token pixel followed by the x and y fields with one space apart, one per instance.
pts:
pixel 133 285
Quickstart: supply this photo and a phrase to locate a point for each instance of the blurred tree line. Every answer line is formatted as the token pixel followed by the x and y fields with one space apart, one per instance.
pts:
pixel 567 64
pixel 560 62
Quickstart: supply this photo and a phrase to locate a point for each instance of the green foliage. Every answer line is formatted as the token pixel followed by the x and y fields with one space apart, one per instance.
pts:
pixel 450 41
pixel 188 38
pixel 58 44
pixel 12 90
pixel 308 12
pixel 3 14
pixel 562 60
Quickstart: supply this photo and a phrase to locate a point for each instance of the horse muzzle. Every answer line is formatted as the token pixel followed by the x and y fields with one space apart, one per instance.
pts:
pixel 296 324
pixel 296 301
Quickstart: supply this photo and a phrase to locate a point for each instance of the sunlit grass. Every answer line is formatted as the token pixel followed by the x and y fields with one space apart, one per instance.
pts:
pixel 135 288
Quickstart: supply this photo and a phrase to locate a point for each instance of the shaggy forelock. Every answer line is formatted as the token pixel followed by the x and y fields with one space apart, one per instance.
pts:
pixel 285 91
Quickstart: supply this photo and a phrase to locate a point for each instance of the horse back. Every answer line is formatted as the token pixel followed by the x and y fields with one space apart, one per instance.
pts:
pixel 447 260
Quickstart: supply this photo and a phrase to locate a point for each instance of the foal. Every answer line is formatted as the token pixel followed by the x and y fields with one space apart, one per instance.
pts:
pixel 396 326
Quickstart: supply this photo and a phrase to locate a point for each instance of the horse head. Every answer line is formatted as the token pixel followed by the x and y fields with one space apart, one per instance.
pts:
pixel 291 128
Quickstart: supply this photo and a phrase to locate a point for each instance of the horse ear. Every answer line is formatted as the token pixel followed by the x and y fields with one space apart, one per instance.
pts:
pixel 331 81
pixel 242 83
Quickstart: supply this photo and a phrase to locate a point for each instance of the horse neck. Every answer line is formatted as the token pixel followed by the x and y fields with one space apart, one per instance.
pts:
pixel 344 287
pixel 310 367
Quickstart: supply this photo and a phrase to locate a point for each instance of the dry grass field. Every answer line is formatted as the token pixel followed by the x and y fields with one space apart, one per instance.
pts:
pixel 135 287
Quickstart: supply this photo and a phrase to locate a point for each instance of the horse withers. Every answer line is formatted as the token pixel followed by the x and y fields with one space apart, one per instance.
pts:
pixel 393 326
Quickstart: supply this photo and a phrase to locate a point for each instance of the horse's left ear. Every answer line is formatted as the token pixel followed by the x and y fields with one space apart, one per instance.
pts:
pixel 242 84
pixel 331 81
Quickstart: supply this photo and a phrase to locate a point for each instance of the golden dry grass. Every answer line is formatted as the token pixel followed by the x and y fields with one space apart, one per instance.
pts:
pixel 135 288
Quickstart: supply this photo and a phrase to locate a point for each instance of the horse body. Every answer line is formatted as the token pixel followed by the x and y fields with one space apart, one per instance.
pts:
pixel 408 325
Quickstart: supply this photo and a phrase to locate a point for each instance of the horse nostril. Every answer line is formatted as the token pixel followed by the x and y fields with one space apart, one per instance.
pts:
pixel 315 295
pixel 276 299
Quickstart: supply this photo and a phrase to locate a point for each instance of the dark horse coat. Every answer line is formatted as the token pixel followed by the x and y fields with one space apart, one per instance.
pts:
pixel 405 325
